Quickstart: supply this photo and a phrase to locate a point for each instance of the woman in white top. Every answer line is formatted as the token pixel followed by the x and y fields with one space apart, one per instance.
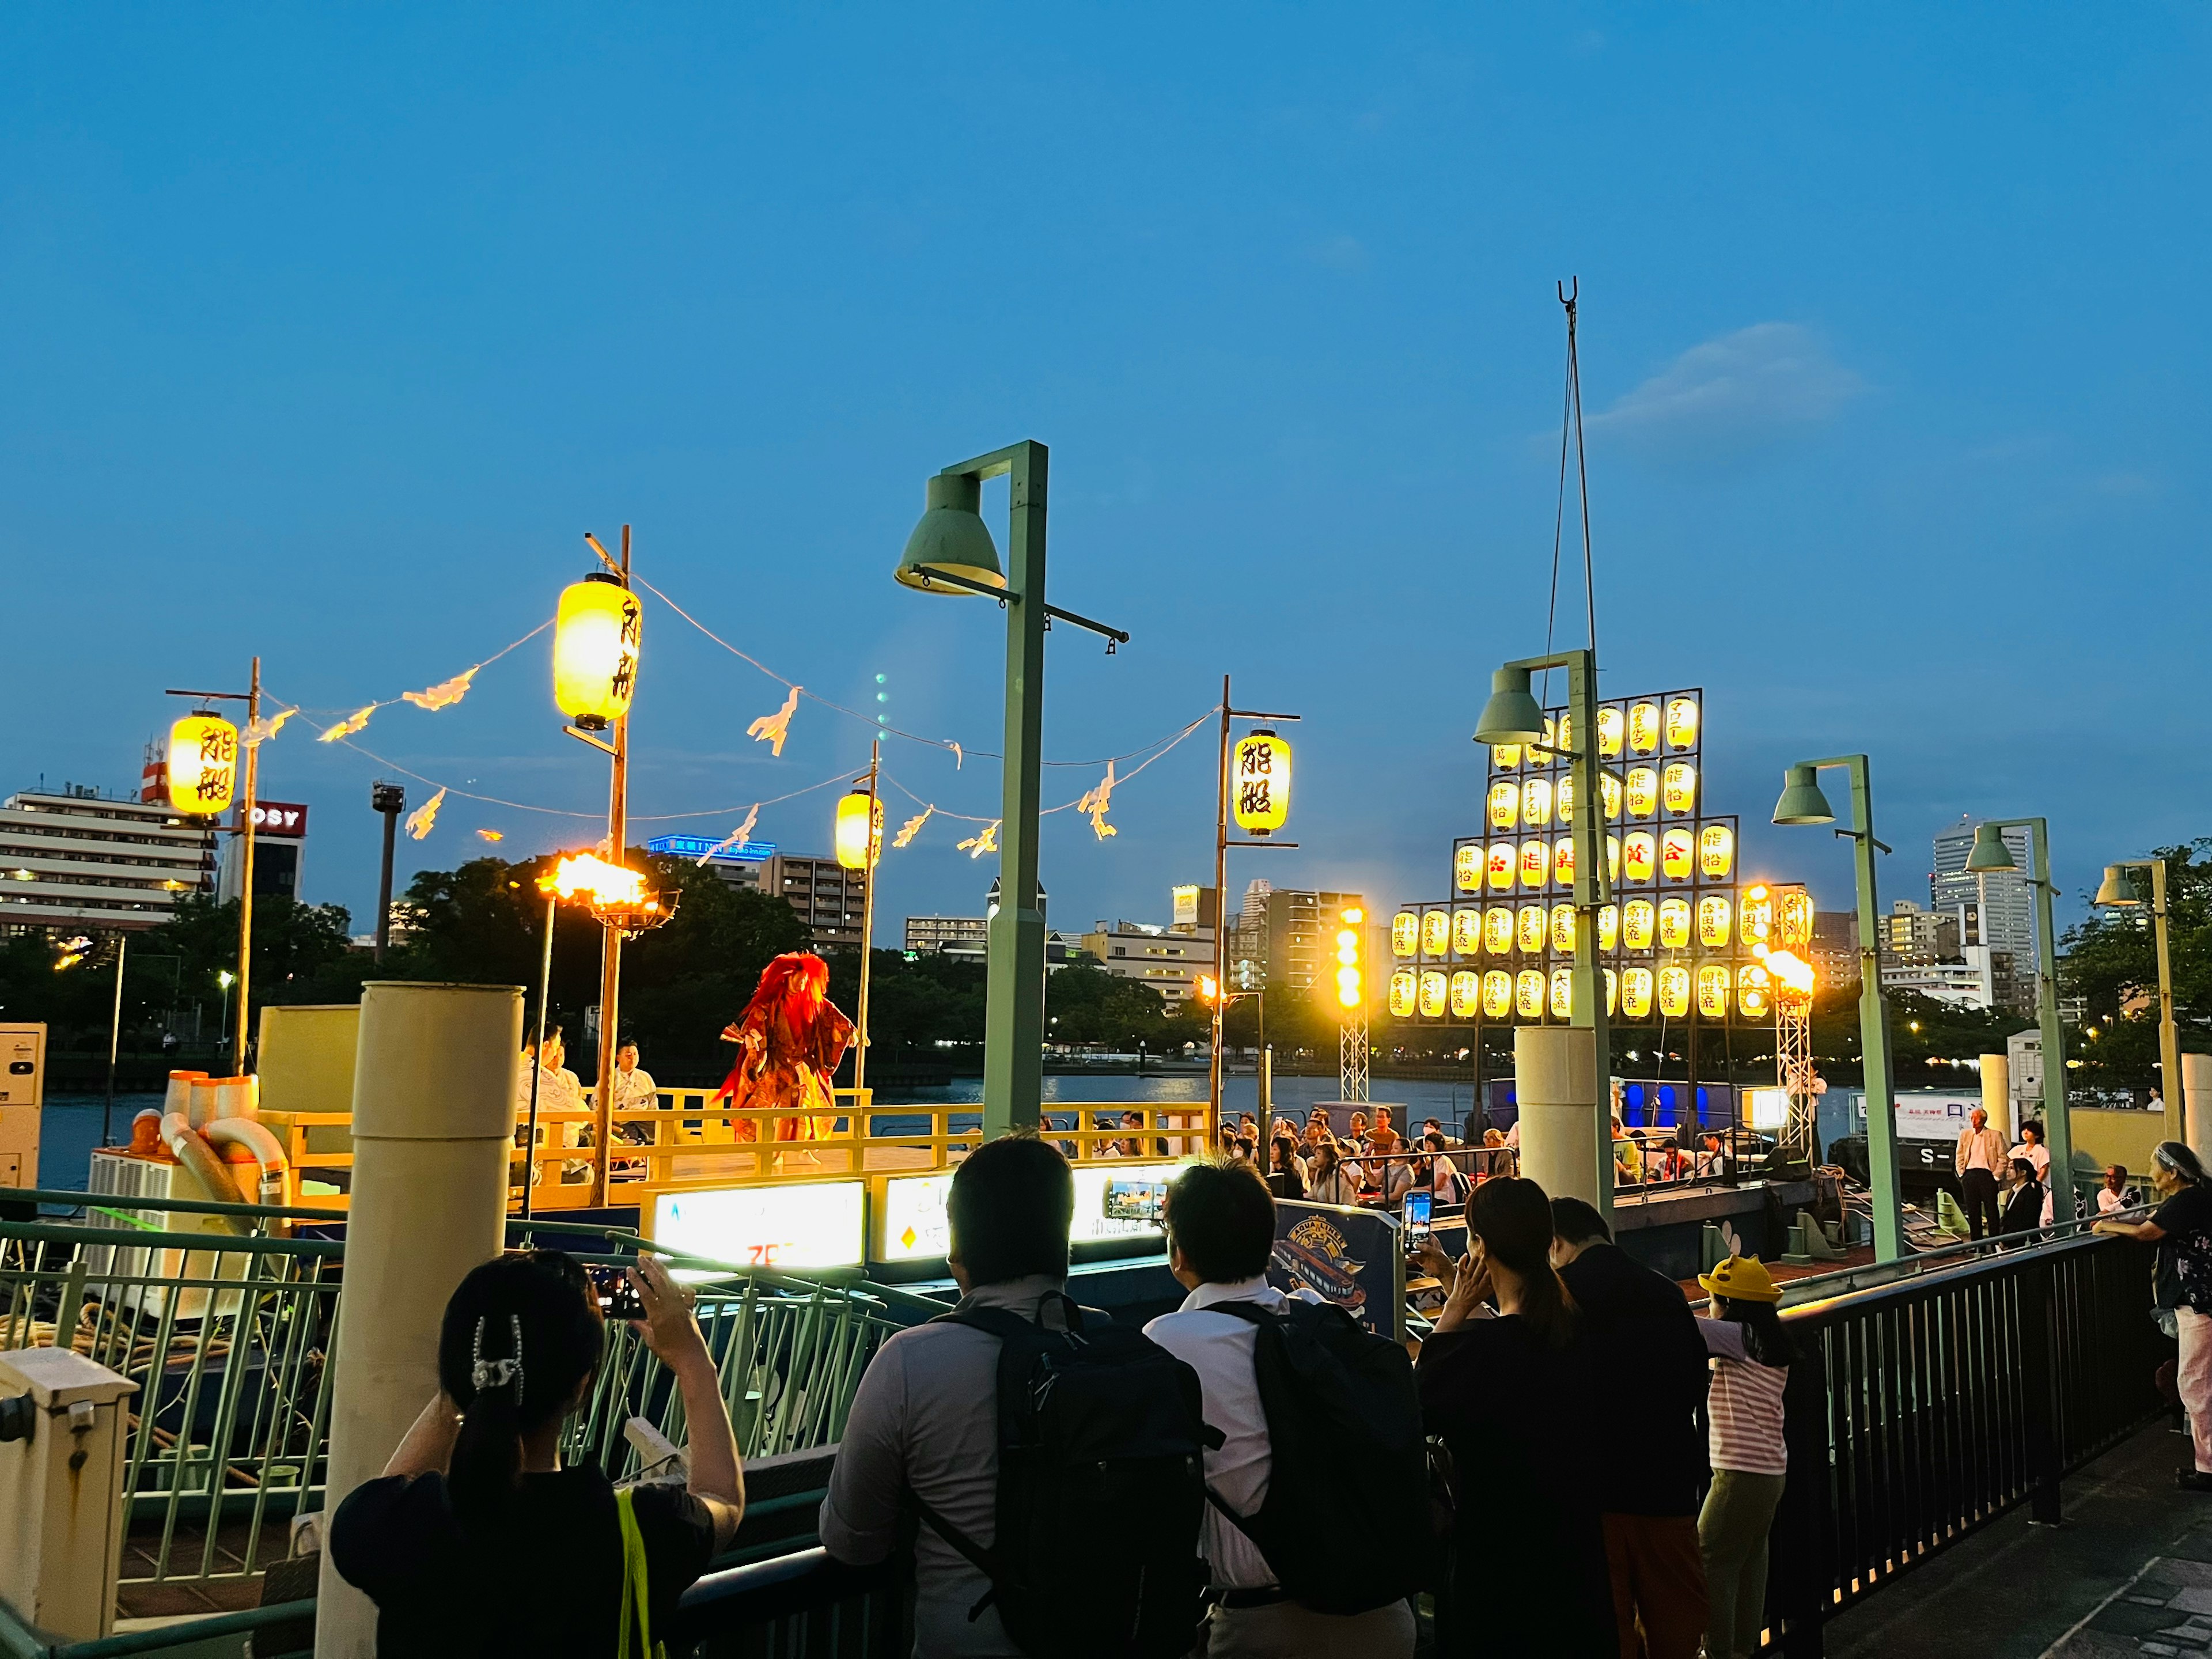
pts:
pixel 2032 1148
pixel 1331 1182
pixel 1751 1355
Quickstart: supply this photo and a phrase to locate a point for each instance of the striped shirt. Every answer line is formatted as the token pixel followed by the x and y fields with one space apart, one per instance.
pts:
pixel 1745 1406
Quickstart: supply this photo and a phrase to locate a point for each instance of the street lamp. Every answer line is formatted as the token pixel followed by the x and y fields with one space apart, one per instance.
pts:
pixel 225 978
pixel 2119 892
pixel 1803 803
pixel 950 552
pixel 1988 856
pixel 1512 716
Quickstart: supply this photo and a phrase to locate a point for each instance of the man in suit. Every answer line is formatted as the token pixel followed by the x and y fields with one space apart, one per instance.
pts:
pixel 1981 1159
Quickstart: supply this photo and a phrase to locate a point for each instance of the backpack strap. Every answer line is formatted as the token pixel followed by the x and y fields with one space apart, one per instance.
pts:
pixel 635 1608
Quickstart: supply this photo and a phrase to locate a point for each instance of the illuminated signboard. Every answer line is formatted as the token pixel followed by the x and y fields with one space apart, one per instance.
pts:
pixel 711 850
pixel 813 1223
pixel 1112 1201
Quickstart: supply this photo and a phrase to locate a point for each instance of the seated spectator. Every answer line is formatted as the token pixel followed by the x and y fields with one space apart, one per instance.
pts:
pixel 926 1416
pixel 1225 1136
pixel 1358 1135
pixel 1286 1173
pixel 1443 1174
pixel 2112 1196
pixel 1497 1157
pixel 1329 1181
pixel 1627 1158
pixel 1714 1159
pixel 2023 1210
pixel 1674 1162
pixel 1247 1149
pixel 474 1507
pixel 1529 1573
pixel 1221 1236
pixel 1247 1125
pixel 1394 1178
pixel 1384 1137
pixel 1434 1125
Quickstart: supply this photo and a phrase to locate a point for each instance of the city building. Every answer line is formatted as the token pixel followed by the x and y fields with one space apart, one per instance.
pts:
pixel 1942 954
pixel 1170 961
pixel 1301 929
pixel 830 898
pixel 2005 900
pixel 933 933
pixel 1835 948
pixel 1911 936
pixel 280 845
pixel 82 861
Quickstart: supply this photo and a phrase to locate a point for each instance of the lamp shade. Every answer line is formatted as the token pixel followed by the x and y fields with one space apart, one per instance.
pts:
pixel 951 536
pixel 859 829
pixel 2117 889
pixel 202 765
pixel 595 641
pixel 1802 800
pixel 1511 715
pixel 1989 853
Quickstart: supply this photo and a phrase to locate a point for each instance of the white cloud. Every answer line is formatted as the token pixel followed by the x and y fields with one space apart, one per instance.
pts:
pixel 1748 385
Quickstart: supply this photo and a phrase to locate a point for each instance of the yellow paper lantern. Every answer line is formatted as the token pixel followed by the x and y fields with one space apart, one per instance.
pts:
pixel 1609 792
pixel 1677 853
pixel 1260 782
pixel 1612 992
pixel 1436 932
pixel 1505 756
pixel 1713 921
pixel 1612 858
pixel 1563 928
pixel 1434 994
pixel 1754 991
pixel 1529 927
pixel 859 829
pixel 1467 867
pixel 1528 994
pixel 1610 722
pixel 1466 932
pixel 1504 804
pixel 1638 918
pixel 1563 994
pixel 1501 861
pixel 1498 930
pixel 1566 731
pixel 1639 856
pixel 1636 993
pixel 1608 927
pixel 1563 861
pixel 1681 723
pixel 1713 990
pixel 1716 851
pixel 1642 791
pixel 1563 798
pixel 1674 924
pixel 1540 755
pixel 1466 994
pixel 1536 803
pixel 1405 934
pixel 1403 994
pixel 202 765
pixel 1678 787
pixel 1535 864
pixel 1674 991
pixel 1756 916
pixel 1642 728
pixel 595 644
pixel 1497 994
pixel 1793 920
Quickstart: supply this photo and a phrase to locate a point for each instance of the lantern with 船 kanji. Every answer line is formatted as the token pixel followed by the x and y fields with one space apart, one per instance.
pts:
pixel 1642 791
pixel 1681 723
pixel 1467 867
pixel 1403 991
pixel 1466 932
pixel 1466 993
pixel 596 633
pixel 1713 990
pixel 1497 994
pixel 1528 994
pixel 1529 928
pixel 1716 851
pixel 1535 864
pixel 1713 920
pixel 1678 787
pixel 1674 991
pixel 1434 993
pixel 1643 728
pixel 1405 934
pixel 1674 924
pixel 1497 930
pixel 1563 928
pixel 1563 861
pixel 1563 994
pixel 1638 919
pixel 1639 856
pixel 1608 927
pixel 1436 932
pixel 1536 803
pixel 1500 862
pixel 1610 722
pixel 1504 804
pixel 1678 852
pixel 1754 991
pixel 202 765
pixel 1636 993
pixel 1260 782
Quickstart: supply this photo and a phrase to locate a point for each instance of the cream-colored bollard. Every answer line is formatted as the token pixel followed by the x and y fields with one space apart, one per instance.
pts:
pixel 1555 1084
pixel 433 1124
pixel 2197 1103
pixel 1996 1093
pixel 64 1440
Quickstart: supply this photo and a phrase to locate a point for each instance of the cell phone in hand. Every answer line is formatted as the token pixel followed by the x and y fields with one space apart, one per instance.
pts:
pixel 1418 1202
pixel 618 1297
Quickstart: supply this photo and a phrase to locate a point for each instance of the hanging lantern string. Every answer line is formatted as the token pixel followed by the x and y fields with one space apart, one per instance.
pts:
pixel 440 695
pixel 1066 805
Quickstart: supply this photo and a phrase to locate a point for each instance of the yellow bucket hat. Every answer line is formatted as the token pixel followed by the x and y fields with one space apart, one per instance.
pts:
pixel 1741 1278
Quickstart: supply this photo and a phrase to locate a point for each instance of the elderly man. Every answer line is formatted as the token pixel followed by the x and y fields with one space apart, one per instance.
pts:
pixel 1981 1158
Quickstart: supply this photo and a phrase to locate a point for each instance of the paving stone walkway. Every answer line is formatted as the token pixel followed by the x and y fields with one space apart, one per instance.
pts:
pixel 2164 1611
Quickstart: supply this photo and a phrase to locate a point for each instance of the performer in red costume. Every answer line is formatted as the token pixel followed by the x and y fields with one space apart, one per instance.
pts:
pixel 790 1038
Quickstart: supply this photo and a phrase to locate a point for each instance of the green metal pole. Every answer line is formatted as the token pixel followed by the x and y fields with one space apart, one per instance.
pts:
pixel 1874 1025
pixel 1593 889
pixel 1013 1021
pixel 2057 1127
pixel 2169 1040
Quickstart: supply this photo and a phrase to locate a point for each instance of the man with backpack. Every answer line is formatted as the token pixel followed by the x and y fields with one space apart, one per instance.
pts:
pixel 1047 1462
pixel 1312 1552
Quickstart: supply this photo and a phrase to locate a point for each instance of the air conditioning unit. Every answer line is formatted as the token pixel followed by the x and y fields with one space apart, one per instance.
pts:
pixel 138 1280
pixel 22 1093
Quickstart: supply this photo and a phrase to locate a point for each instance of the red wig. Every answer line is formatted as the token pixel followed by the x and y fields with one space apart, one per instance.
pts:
pixel 797 981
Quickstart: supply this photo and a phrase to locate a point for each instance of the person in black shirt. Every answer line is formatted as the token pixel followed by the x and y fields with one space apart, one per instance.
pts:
pixel 1648 1353
pixel 1511 1391
pixel 2023 1211
pixel 476 1541
pixel 2181 1227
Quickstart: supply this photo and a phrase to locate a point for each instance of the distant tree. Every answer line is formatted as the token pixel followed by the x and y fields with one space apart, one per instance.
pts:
pixel 2110 960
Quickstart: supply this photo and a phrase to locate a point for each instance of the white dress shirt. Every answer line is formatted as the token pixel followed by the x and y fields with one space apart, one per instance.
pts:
pixel 1220 1348
pixel 2109 1201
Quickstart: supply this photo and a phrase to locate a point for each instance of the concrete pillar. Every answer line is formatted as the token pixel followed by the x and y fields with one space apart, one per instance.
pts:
pixel 1996 1093
pixel 64 1439
pixel 433 1124
pixel 1555 1084
pixel 2197 1103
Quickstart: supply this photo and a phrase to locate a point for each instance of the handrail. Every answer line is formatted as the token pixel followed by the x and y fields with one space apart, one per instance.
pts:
pixel 78 1199
pixel 1946 1256
pixel 62 1232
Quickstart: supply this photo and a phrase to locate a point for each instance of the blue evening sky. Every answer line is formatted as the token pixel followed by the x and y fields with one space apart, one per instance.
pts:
pixel 329 331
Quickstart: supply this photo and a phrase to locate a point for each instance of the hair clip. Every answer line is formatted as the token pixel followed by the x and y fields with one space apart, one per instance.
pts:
pixel 485 1373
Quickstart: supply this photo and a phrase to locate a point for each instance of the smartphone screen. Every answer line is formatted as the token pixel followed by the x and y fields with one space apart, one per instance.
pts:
pixel 1418 1204
pixel 618 1297
pixel 1134 1201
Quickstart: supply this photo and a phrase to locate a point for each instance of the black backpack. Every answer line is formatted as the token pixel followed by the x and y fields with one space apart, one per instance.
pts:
pixel 1101 1487
pixel 1356 1515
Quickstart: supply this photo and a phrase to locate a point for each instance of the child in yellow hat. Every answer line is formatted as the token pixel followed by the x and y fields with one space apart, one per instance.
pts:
pixel 1751 1355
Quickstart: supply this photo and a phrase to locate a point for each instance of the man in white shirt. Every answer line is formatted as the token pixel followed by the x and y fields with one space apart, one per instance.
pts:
pixel 1221 1236
pixel 1980 1158
pixel 2112 1196
pixel 558 1091
pixel 635 1092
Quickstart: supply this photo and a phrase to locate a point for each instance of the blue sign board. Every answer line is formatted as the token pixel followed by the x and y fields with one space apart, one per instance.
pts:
pixel 703 846
pixel 1348 1256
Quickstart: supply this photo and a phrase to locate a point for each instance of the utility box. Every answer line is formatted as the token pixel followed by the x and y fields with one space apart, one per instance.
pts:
pixel 22 1093
pixel 64 1437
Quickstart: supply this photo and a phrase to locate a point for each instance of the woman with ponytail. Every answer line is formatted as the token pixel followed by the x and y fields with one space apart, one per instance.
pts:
pixel 1507 1381
pixel 476 1541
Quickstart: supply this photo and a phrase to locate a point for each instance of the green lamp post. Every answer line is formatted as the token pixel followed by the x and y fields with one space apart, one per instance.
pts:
pixel 2120 893
pixel 950 552
pixel 1988 856
pixel 1512 715
pixel 1803 803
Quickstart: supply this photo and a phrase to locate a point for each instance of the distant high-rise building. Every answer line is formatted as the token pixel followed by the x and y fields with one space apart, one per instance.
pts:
pixel 1835 950
pixel 1256 898
pixel 939 933
pixel 2004 900
pixel 1301 936
pixel 83 861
